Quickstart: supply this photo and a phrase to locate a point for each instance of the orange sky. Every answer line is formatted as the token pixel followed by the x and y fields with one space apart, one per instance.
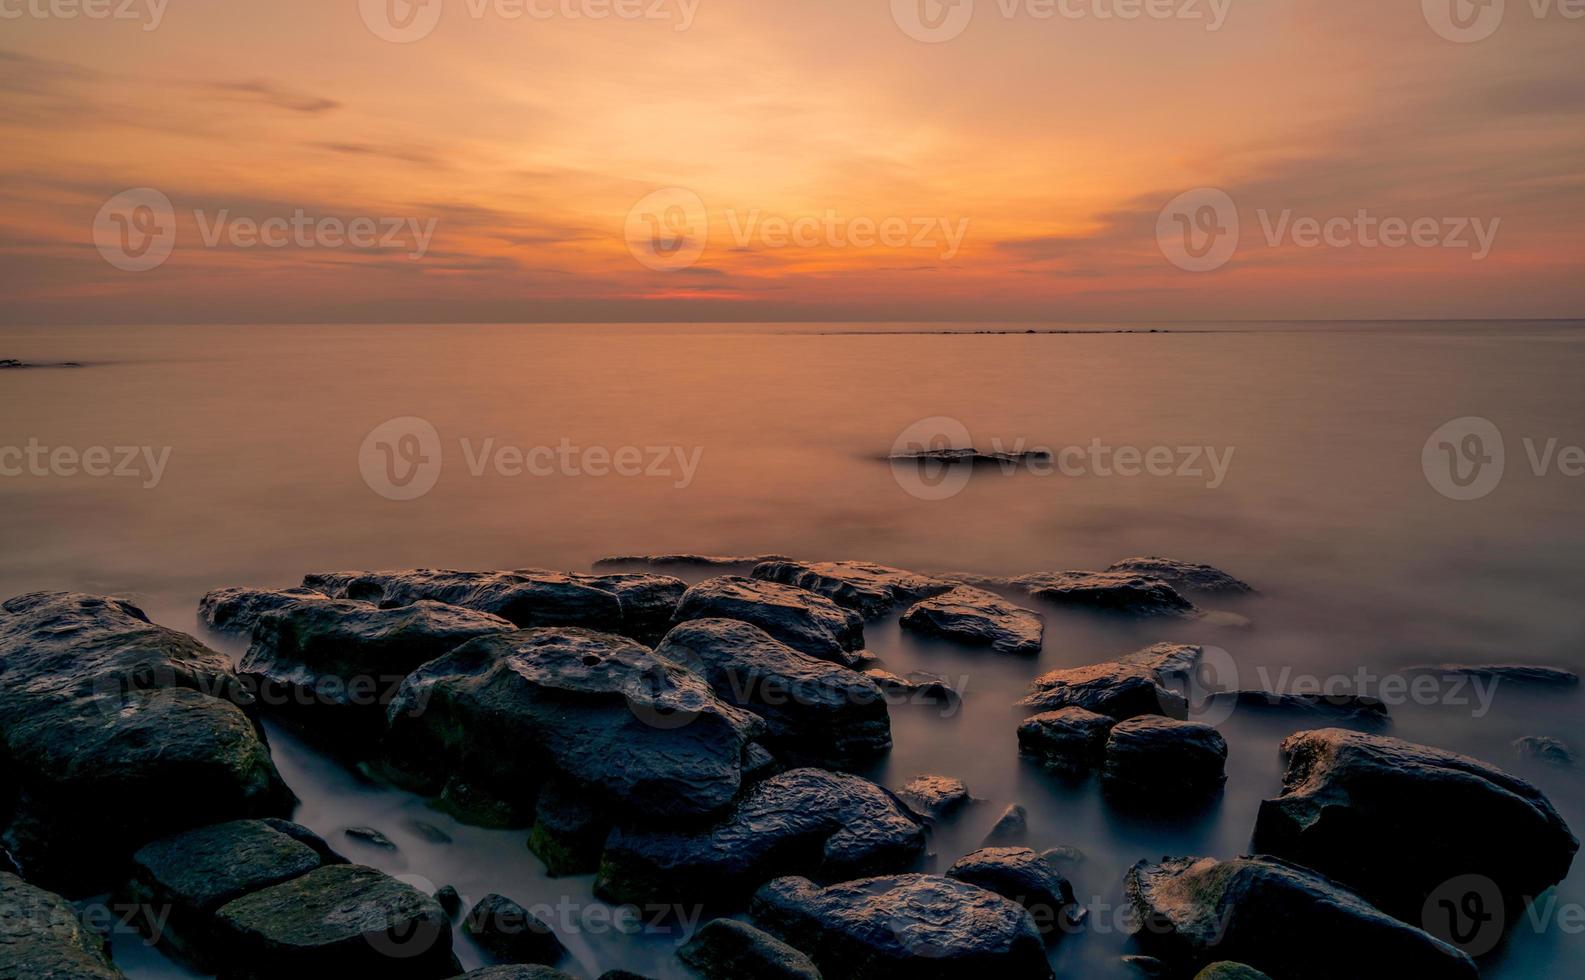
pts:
pixel 1028 160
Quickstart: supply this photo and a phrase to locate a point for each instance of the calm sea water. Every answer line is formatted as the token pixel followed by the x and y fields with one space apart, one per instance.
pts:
pixel 1326 506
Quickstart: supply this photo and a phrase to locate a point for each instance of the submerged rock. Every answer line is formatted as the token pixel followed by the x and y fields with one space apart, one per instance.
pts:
pixel 1230 971
pixel 1108 592
pixel 1279 918
pixel 236 611
pixel 449 899
pixel 935 796
pixel 1021 875
pixel 1350 801
pixel 41 936
pixel 1185 576
pixel 738 563
pixel 1118 689
pixel 1526 674
pixel 1545 748
pixel 116 731
pixel 528 598
pixel 371 837
pixel 807 622
pixel 1356 708
pixel 725 949
pixel 829 825
pixel 1066 740
pixel 869 589
pixel 903 928
pixel 970 457
pixel 978 618
pixel 1165 760
pixel 919 684
pixel 495 718
pixel 817 712
pixel 342 918
pixel 1012 827
pixel 510 932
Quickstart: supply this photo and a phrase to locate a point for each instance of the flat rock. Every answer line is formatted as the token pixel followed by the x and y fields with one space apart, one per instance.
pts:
pixel 235 611
pixel 1118 689
pixel 978 618
pixel 371 837
pixel 725 949
pixel 830 825
pixel 722 563
pixel 1527 674
pixel 1351 800
pixel 935 796
pixel 339 918
pixel 495 718
pixel 1021 875
pixel 1117 593
pixel 1066 740
pixel 809 623
pixel 1185 576
pixel 904 927
pixel 1168 661
pixel 1278 918
pixel 517 971
pixel 509 932
pixel 41 936
pixel 919 684
pixel 819 713
pixel 1011 828
pixel 528 598
pixel 970 457
pixel 869 589
pixel 648 601
pixel 1356 708
pixel 1230 971
pixel 1545 748
pixel 117 731
pixel 1165 760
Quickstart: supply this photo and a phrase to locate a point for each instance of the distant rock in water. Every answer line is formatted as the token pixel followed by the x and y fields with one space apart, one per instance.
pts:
pixel 978 618
pixel 1528 674
pixel 722 563
pixel 1282 919
pixel 807 622
pixel 869 589
pixel 1183 575
pixel 1117 593
pixel 1356 708
pixel 970 457
pixel 1350 801
pixel 1545 748
pixel 12 364
pixel 920 684
pixel 42 936
pixel 236 611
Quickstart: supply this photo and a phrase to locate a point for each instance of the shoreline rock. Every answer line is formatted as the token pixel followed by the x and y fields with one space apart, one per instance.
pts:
pixel 1019 875
pixel 869 589
pixel 41 935
pixel 803 620
pixel 235 611
pixel 1108 592
pixel 1526 674
pixel 978 618
pixel 1070 740
pixel 726 949
pixel 1116 688
pixel 1185 576
pixel 1165 761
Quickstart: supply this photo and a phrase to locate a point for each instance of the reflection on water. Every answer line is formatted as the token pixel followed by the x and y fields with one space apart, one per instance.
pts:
pixel 1325 507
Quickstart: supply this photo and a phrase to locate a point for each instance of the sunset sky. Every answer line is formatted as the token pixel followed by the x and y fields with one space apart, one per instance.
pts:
pixel 1051 144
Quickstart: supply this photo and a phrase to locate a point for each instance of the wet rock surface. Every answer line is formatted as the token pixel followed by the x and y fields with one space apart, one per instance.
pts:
pixel 1517 674
pixel 1066 740
pixel 648 601
pixel 817 712
pixel 1230 971
pixel 517 971
pixel 1011 828
pixel 528 598
pixel 1351 800
pixel 1118 593
pixel 869 589
pixel 903 927
pixel 1278 918
pixel 725 949
pixel 978 618
pixel 1544 748
pixel 509 932
pixel 735 563
pixel 970 457
pixel 1021 875
pixel 919 684
pixel 41 936
pixel 1185 576
pixel 935 796
pixel 1164 760
pixel 103 712
pixel 1356 708
pixel 809 623
pixel 1118 689
pixel 235 611
pixel 825 824
pixel 492 720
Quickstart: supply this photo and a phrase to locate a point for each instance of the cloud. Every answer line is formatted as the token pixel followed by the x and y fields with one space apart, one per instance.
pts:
pixel 272 94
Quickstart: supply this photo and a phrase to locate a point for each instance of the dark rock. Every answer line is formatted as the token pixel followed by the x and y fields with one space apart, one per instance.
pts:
pixel 904 927
pixel 1011 828
pixel 818 713
pixel 1168 661
pixel 528 598
pixel 116 731
pixel 1148 965
pixel 935 796
pixel 568 834
pixel 428 831
pixel 1184 576
pixel 1019 874
pixel 1108 592
pixel 1356 708
pixel 735 563
pixel 919 684
pixel 1063 856
pixel 307 838
pixel 521 972
pixel 1545 748
pixel 42 937
pixel 339 918
pixel 509 932
pixel 1118 689
pixel 830 825
pixel 371 837
pixel 1165 760
pixel 449 899
pixel 1526 674
pixel 970 457
pixel 1350 801
pixel 235 611
pixel 1230 971
pixel 648 601
pixel 807 622
pixel 1280 918
pixel 725 949
pixel 492 720
pixel 977 618
pixel 621 975
pixel 869 589
pixel 1066 740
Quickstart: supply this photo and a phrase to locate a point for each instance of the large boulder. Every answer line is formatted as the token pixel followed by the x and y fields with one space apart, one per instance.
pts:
pixel 529 598
pixel 1279 918
pixel 1019 874
pixel 805 621
pixel 819 713
pixel 868 589
pixel 828 825
pixel 977 618
pixel 1164 760
pixel 1118 689
pixel 1119 593
pixel 344 918
pixel 1069 740
pixel 905 927
pixel 235 611
pixel 41 936
pixel 489 722
pixel 648 601
pixel 115 731
pixel 1185 576
pixel 1351 801
pixel 336 664
pixel 726 949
